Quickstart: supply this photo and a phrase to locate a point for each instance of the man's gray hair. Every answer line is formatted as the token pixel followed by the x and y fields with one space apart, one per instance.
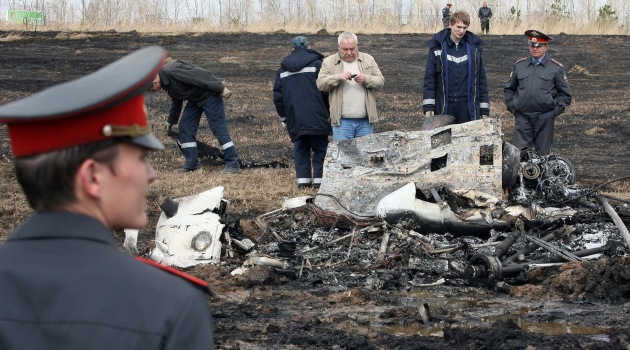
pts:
pixel 347 36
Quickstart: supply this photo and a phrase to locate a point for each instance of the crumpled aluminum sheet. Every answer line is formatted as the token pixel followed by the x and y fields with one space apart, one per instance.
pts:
pixel 358 173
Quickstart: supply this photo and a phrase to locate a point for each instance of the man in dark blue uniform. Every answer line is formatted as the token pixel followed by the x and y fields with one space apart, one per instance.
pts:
pixel 203 92
pixel 455 76
pixel 81 158
pixel 304 110
pixel 536 93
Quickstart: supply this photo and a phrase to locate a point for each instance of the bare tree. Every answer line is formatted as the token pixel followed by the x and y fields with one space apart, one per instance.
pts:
pixel 195 8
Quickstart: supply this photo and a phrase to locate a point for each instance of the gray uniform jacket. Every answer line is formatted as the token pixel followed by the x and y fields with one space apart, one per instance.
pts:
pixel 67 285
pixel 533 90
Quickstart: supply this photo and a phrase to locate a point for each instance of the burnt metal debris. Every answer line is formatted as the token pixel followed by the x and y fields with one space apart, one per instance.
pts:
pixel 448 204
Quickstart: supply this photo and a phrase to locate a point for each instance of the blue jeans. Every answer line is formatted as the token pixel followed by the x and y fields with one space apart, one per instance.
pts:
pixel 350 128
pixel 189 123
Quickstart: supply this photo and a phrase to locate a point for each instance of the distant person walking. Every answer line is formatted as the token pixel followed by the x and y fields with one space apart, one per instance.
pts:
pixel 485 13
pixel 536 93
pixel 446 14
pixel 351 77
pixel 303 109
pixel 455 76
pixel 203 92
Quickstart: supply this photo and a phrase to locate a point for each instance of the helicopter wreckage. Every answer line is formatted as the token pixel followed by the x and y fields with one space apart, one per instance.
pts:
pixel 402 209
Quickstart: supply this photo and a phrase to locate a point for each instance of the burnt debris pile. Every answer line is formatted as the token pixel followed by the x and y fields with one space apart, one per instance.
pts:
pixel 545 222
pixel 316 246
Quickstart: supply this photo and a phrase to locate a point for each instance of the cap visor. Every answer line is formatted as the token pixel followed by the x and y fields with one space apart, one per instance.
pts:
pixel 148 141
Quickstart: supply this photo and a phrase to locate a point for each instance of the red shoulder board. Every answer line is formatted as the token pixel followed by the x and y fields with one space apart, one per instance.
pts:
pixel 521 59
pixel 556 62
pixel 198 282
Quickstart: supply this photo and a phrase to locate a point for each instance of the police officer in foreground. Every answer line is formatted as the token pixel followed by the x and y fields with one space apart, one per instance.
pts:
pixel 536 93
pixel 81 158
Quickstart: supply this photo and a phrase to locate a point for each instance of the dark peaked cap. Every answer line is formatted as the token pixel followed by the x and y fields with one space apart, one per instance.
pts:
pixel 537 38
pixel 108 103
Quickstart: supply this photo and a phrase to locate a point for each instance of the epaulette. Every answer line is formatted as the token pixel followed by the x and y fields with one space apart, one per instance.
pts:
pixel 556 62
pixel 521 59
pixel 197 282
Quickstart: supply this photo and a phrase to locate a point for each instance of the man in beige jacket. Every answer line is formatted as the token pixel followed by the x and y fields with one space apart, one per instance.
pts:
pixel 350 77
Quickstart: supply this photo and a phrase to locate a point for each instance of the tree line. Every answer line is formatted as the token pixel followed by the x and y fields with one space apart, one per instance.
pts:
pixel 388 16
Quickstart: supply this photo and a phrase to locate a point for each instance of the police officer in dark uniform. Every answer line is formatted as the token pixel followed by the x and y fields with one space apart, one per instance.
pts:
pixel 81 158
pixel 536 93
pixel 304 110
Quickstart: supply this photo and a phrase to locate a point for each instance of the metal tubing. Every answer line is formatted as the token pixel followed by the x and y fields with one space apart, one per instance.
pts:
pixel 503 247
pixel 514 268
pixel 530 248
pixel 384 244
pixel 616 219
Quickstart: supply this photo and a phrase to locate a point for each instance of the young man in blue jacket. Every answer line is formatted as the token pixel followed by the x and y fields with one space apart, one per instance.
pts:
pixel 455 77
pixel 303 109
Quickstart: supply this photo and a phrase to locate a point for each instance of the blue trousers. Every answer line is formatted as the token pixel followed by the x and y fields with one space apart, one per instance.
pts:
pixel 189 124
pixel 303 147
pixel 459 110
pixel 350 128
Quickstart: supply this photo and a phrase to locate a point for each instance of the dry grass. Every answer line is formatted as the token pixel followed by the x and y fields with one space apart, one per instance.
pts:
pixel 13 206
pixel 380 24
pixel 596 131
pixel 11 37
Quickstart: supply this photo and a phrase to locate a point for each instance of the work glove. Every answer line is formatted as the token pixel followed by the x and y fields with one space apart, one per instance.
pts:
pixel 429 114
pixel 226 93
pixel 168 127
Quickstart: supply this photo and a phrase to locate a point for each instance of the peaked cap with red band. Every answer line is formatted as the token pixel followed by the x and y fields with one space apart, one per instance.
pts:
pixel 108 103
pixel 536 38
